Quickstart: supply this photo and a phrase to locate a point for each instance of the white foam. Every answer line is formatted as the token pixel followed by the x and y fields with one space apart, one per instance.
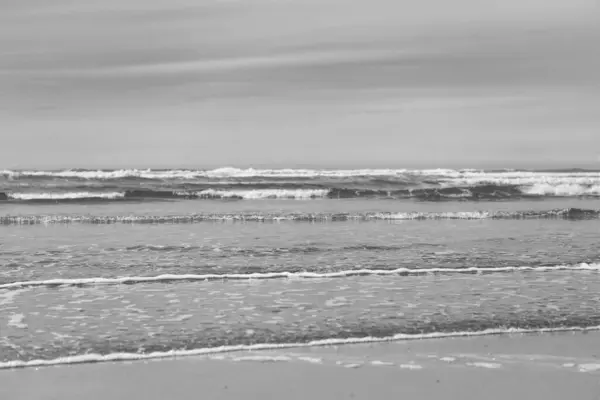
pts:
pixel 466 175
pixel 256 217
pixel 382 363
pixel 227 172
pixel 410 366
pixel 257 194
pixel 440 215
pixel 354 365
pixel 65 196
pixel 312 360
pixel 336 302
pixel 521 179
pixel 16 321
pixel 589 367
pixel 448 359
pixel 292 275
pixel 313 173
pixel 533 183
pixel 179 318
pixel 577 183
pixel 114 174
pixel 91 358
pixel 563 189
pixel 9 297
pixel 485 365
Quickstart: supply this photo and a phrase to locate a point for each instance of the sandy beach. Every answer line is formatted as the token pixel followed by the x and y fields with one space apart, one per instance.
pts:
pixel 546 366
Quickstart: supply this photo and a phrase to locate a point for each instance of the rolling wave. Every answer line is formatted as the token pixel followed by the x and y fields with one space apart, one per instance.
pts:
pixel 252 184
pixel 65 196
pixel 262 194
pixel 563 189
pixel 226 172
pixel 566 213
pixel 306 192
pixel 294 275
pixel 255 194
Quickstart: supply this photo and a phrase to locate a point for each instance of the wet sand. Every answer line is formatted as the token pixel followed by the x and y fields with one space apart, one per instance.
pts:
pixel 535 366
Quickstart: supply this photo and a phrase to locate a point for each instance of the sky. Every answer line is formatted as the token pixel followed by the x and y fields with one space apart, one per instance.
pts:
pixel 299 83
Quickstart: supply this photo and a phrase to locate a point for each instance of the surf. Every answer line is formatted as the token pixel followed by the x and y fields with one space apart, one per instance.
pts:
pixel 166 278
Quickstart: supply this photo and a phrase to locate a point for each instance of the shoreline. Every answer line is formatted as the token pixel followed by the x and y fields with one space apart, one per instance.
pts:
pixel 533 366
pixel 265 347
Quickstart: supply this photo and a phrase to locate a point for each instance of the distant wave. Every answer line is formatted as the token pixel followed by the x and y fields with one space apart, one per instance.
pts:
pixel 234 183
pixel 305 192
pixel 229 172
pixel 481 192
pixel 111 357
pixel 253 194
pixel 563 189
pixel 226 172
pixel 294 275
pixel 566 213
pixel 65 196
pixel 260 194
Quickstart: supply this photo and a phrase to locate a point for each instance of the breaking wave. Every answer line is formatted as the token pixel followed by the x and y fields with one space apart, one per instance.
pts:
pixel 256 194
pixel 253 194
pixel 252 184
pixel 227 172
pixel 468 176
pixel 65 196
pixel 428 194
pixel 563 189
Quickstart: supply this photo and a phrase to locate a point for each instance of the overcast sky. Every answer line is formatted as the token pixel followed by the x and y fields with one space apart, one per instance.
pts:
pixel 331 83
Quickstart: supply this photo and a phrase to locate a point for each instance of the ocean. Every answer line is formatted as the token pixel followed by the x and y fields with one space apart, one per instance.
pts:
pixel 135 264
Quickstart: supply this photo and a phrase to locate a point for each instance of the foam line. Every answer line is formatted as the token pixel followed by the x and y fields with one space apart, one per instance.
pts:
pixel 293 275
pixel 95 358
pixel 66 196
pixel 231 172
pixel 566 213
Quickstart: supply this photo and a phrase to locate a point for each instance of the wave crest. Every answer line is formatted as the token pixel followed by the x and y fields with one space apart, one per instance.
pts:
pixel 65 196
pixel 225 172
pixel 249 183
pixel 256 194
